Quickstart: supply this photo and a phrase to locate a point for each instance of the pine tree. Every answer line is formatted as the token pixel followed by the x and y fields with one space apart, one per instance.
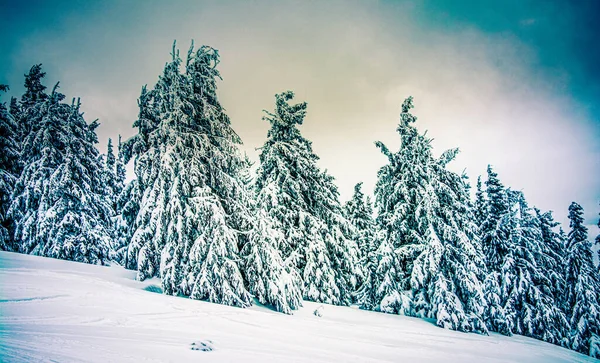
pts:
pixel 112 190
pixel 126 204
pixel 598 241
pixel 319 275
pixel 193 204
pixel 359 212
pixel 120 172
pixel 9 170
pixel 528 289
pixel 582 287
pixel 495 315
pixel 14 109
pixel 35 92
pixel 58 207
pixel 304 203
pixel 494 233
pixel 270 279
pixel 480 204
pixel 109 173
pixel 425 212
pixel 139 149
pixel 391 294
pixel 366 296
pixel 516 243
pixel 552 256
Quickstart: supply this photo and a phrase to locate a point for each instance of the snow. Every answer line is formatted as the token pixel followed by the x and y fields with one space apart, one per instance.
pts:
pixel 52 310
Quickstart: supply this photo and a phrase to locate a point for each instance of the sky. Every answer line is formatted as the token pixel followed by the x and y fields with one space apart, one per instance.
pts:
pixel 514 84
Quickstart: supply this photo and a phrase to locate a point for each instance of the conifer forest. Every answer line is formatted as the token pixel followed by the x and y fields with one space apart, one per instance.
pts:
pixel 468 252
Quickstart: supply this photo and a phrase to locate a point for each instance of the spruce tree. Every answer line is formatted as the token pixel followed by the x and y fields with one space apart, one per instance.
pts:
pixel 14 109
pixel 582 287
pixel 552 256
pixel 366 296
pixel 598 241
pixel 113 176
pixel 359 211
pixel 493 231
pixel 391 295
pixel 139 149
pixel 127 209
pixel 527 286
pixel 495 314
pixel 193 204
pixel 109 173
pixel 304 203
pixel 319 275
pixel 424 210
pixel 120 172
pixel 35 92
pixel 58 207
pixel 126 204
pixel 270 279
pixel 9 170
pixel 480 204
pixel 521 266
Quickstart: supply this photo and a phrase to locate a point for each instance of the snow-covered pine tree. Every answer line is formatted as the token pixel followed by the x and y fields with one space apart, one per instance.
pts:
pixel 582 287
pixel 494 233
pixel 527 269
pixel 21 116
pixel 111 194
pixel 304 203
pixel 424 210
pixel 552 256
pixel 126 203
pixel 58 207
pixel 193 203
pixel 480 208
pixel 359 211
pixel 139 149
pixel 319 275
pixel 495 315
pixel 109 173
pixel 14 109
pixel 598 243
pixel 9 170
pixel 366 295
pixel 18 120
pixel 120 172
pixel 391 295
pixel 517 259
pixel 35 92
pixel 338 236
pixel 494 236
pixel 270 279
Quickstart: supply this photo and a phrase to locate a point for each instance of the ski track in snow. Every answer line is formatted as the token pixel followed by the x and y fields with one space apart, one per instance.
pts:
pixel 58 311
pixel 37 298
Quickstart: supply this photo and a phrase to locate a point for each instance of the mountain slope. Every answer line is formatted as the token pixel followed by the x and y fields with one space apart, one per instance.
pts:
pixel 53 310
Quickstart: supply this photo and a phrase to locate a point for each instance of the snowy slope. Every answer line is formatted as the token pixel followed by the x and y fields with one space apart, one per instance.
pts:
pixel 53 310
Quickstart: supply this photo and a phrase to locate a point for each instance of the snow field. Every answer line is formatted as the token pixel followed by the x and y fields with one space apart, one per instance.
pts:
pixel 52 310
